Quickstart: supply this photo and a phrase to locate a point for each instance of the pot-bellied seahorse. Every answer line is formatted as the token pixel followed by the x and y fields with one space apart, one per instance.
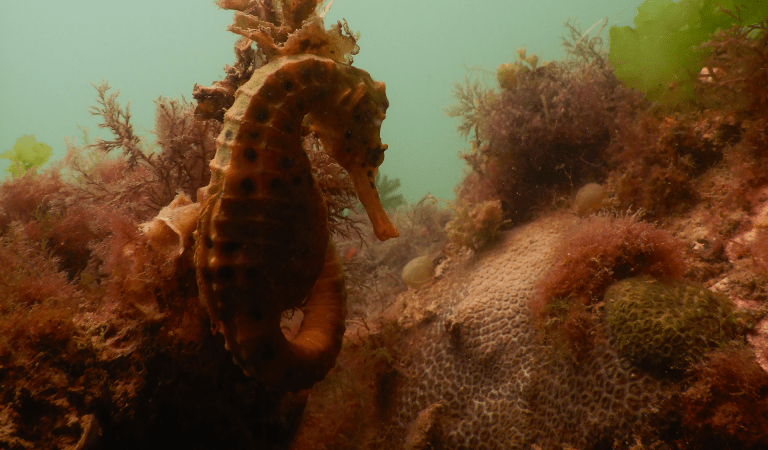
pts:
pixel 263 237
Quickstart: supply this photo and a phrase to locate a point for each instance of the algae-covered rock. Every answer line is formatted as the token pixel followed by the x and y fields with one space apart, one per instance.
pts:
pixel 666 326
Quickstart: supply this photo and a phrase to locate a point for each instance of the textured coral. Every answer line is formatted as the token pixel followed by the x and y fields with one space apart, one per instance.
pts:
pixel 667 326
pixel 465 348
pixel 264 236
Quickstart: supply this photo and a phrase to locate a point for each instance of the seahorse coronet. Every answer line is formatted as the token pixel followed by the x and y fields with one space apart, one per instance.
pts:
pixel 264 242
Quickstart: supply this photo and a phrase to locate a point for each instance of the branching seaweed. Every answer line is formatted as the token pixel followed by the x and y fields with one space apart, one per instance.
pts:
pixel 145 181
pixel 583 47
pixel 546 131
pixel 118 122
pixel 472 103
pixel 387 188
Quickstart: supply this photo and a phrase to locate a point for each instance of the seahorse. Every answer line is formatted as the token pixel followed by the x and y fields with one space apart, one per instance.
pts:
pixel 263 234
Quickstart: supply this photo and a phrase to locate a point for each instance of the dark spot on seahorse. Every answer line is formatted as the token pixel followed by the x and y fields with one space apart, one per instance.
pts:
pixel 370 173
pixel 306 74
pixel 247 186
pixel 207 276
pixel 362 165
pixel 208 242
pixel 348 150
pixel 357 117
pixel 286 162
pixel 262 116
pixel 250 154
pixel 226 273
pixel 304 44
pixel 287 85
pixel 230 247
pixel 373 156
pixel 276 184
pixel 253 134
pixel 300 106
pixel 296 181
pixel 228 135
pixel 348 134
pixel 322 94
pixel 373 186
pixel 288 128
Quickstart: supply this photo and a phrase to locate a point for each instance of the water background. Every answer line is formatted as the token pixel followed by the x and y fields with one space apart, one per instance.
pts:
pixel 51 52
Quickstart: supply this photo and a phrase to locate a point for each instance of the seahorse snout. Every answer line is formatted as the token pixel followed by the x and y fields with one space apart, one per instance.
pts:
pixel 363 179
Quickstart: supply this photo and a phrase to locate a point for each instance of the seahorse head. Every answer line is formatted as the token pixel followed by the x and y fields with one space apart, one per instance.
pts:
pixel 355 143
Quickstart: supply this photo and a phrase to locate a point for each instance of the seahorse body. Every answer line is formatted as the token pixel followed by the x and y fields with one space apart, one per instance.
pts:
pixel 263 244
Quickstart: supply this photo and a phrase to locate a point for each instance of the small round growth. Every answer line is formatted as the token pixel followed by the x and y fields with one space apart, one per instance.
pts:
pixel 418 272
pixel 590 199
pixel 667 326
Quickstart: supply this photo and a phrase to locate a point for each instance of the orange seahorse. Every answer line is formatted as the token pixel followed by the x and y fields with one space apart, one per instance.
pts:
pixel 263 237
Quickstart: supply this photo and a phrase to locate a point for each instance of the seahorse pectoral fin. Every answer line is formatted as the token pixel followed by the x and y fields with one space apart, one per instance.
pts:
pixel 363 180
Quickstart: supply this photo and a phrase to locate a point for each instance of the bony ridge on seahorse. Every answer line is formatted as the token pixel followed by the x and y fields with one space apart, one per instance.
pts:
pixel 263 237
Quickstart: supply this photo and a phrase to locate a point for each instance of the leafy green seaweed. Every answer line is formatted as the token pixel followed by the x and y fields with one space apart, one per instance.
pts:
pixel 26 154
pixel 660 55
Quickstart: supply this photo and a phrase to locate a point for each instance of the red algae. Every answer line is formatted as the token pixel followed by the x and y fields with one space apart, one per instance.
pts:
pixel 594 255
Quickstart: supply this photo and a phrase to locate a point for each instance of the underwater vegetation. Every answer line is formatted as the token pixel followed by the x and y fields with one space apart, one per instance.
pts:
pixel 475 225
pixel 725 406
pixel 26 154
pixel 545 130
pixel 550 128
pixel 593 256
pixel 388 191
pixel 670 35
